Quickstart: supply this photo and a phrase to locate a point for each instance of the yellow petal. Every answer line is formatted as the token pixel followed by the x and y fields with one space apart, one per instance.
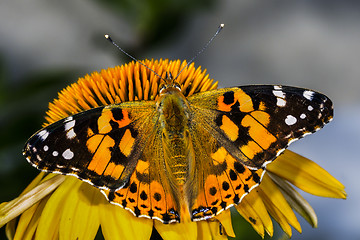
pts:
pixel 277 206
pixel 306 175
pixel 50 218
pixel 215 230
pixel 296 201
pixel 251 216
pixel 118 223
pixel 10 229
pixel 225 219
pixel 209 230
pixel 18 205
pixel 29 220
pixel 80 216
pixel 24 221
pixel 253 210
pixel 11 225
pixel 177 231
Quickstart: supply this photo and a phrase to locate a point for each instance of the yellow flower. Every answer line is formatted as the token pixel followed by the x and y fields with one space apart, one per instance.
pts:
pixel 62 207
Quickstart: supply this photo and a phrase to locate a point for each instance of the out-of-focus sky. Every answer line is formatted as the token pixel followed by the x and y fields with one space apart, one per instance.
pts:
pixel 45 45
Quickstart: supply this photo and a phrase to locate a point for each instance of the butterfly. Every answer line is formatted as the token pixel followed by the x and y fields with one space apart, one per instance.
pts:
pixel 177 156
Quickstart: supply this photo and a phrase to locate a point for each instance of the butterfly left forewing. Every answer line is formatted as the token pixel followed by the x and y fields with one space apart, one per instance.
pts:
pixel 100 146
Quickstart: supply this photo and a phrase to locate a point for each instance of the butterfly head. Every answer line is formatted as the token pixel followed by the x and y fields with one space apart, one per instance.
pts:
pixel 169 84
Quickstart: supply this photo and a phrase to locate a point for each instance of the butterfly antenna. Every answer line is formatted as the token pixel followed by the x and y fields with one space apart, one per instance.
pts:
pixel 127 54
pixel 203 49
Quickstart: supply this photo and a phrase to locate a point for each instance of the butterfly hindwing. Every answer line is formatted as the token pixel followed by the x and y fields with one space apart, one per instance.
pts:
pixel 219 183
pixel 149 191
pixel 100 146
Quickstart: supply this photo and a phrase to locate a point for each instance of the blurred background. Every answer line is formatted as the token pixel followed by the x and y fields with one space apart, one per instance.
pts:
pixel 46 45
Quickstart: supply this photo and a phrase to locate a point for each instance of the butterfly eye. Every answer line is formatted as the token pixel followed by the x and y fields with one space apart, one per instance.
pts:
pixel 162 88
pixel 177 86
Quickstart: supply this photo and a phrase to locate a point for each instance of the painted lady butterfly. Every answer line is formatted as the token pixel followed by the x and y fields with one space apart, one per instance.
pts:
pixel 179 156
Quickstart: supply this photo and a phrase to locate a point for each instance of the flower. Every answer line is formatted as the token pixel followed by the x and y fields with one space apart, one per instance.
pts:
pixel 58 206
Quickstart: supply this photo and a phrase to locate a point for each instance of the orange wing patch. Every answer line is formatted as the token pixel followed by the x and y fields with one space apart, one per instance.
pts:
pixel 229 99
pixel 225 102
pixel 245 100
pixel 111 116
pixel 126 143
pixel 114 170
pixel 261 137
pixel 100 146
pixel 229 128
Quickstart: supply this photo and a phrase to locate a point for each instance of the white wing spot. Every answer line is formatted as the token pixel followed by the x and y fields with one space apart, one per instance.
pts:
pixel 46 148
pixel 277 87
pixel 308 94
pixel 279 93
pixel 303 116
pixel 290 120
pixel 71 134
pixel 280 102
pixel 43 134
pixel 68 119
pixel 68 154
pixel 69 125
pixel 55 153
pixel 280 96
pixel 310 108
pixel 69 128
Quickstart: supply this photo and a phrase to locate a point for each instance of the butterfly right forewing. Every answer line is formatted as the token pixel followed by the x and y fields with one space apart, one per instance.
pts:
pixel 256 123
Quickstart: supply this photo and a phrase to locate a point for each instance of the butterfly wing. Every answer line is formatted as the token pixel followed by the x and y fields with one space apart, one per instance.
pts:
pixel 150 191
pixel 117 148
pixel 100 146
pixel 237 131
pixel 217 180
pixel 257 122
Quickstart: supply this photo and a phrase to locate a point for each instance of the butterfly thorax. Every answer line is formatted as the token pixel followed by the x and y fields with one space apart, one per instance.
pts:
pixel 174 117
